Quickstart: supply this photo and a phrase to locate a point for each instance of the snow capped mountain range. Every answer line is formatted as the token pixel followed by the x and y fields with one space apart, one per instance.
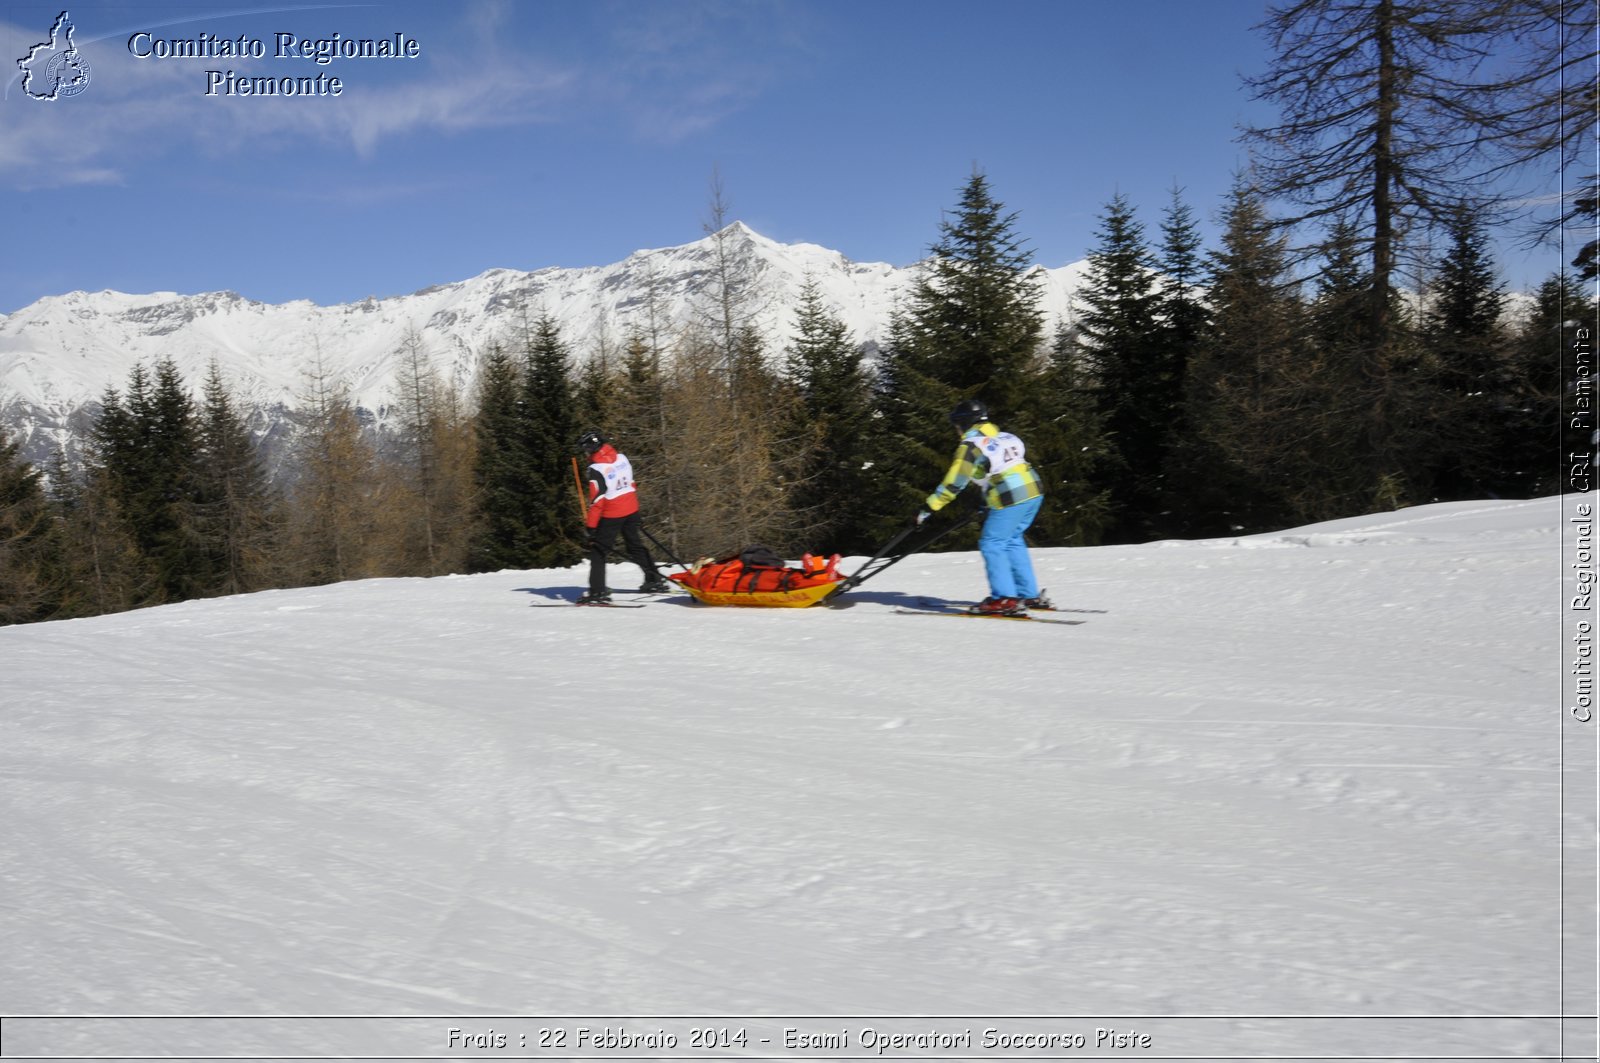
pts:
pixel 59 355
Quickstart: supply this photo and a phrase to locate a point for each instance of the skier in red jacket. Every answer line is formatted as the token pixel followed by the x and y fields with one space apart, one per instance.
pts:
pixel 613 508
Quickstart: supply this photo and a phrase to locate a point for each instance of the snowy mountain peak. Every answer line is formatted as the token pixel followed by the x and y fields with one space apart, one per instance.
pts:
pixel 59 355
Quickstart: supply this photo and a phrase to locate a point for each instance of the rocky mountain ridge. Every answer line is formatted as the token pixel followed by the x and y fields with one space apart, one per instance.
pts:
pixel 59 355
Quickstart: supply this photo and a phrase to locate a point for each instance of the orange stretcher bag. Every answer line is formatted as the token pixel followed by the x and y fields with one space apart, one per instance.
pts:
pixel 758 576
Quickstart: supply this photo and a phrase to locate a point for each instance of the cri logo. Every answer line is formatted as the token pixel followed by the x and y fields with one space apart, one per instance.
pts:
pixel 55 69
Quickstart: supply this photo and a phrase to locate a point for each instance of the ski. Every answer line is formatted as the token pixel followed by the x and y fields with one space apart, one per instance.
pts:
pixel 987 616
pixel 938 604
pixel 633 600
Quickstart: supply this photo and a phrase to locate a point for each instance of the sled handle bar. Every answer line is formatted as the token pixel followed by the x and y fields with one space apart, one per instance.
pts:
pixel 882 559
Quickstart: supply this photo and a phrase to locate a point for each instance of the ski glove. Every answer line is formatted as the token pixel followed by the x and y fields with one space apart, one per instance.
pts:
pixel 922 516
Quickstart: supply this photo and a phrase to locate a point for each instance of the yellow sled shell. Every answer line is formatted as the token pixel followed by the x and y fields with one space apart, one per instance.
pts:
pixel 797 598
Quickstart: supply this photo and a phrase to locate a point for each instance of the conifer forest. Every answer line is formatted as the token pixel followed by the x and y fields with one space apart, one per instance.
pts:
pixel 1345 347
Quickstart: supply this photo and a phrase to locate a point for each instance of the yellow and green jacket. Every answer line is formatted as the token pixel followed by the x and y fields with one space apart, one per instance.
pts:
pixel 993 458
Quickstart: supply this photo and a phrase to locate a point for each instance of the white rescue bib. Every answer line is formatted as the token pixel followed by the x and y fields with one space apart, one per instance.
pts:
pixel 618 476
pixel 1003 451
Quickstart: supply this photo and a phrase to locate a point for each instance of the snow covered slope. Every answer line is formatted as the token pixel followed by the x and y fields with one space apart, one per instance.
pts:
pixel 1272 793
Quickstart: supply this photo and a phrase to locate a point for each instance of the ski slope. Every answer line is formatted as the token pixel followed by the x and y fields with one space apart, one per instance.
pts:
pixel 1281 796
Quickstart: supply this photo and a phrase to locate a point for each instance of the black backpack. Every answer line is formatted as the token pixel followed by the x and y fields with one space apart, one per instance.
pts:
pixel 760 557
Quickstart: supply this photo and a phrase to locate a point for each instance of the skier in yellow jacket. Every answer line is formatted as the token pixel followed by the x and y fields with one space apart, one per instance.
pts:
pixel 1013 492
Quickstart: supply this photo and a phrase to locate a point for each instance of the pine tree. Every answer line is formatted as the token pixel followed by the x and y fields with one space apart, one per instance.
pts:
pixel 1184 320
pixel 1249 398
pixel 28 541
pixel 1180 308
pixel 970 328
pixel 1466 344
pixel 147 451
pixel 118 574
pixel 1182 311
pixel 1466 297
pixel 973 315
pixel 502 477
pixel 236 505
pixel 1128 367
pixel 79 546
pixel 832 429
pixel 1380 411
pixel 117 451
pixel 913 445
pixel 1339 315
pixel 174 540
pixel 1544 426
pixel 548 429
pixel 1067 447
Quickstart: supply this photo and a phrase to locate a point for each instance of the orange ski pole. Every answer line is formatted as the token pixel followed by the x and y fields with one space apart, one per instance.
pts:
pixel 577 481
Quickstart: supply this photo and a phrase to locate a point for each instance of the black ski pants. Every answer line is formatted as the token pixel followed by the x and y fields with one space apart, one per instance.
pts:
pixel 601 539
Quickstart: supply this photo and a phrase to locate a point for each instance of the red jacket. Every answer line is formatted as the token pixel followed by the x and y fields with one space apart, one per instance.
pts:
pixel 611 488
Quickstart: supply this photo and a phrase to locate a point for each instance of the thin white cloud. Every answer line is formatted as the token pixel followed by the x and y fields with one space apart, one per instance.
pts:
pixel 80 177
pixel 662 73
pixel 135 110
pixel 488 19
pixel 679 70
pixel 366 116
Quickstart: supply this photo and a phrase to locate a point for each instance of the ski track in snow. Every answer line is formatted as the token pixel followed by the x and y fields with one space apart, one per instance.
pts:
pixel 1303 773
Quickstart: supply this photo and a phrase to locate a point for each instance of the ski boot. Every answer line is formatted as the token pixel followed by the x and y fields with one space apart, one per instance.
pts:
pixel 655 585
pixel 593 598
pixel 992 606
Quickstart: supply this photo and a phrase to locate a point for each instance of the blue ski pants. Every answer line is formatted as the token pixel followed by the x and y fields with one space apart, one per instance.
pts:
pixel 1005 554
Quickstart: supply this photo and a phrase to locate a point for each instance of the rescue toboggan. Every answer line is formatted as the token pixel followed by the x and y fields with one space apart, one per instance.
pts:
pixel 757 576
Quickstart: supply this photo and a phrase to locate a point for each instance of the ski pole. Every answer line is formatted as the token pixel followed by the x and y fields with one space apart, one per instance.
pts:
pixel 867 570
pixel 577 482
pixel 670 555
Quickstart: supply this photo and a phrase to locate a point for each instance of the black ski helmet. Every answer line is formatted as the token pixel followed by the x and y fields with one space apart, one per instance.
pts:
pixel 591 440
pixel 967 413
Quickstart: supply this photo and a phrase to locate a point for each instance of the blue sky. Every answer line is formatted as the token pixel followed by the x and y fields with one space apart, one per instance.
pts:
pixel 534 133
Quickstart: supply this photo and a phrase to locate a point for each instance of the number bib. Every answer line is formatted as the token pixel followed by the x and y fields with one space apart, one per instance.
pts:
pixel 618 476
pixel 1003 451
